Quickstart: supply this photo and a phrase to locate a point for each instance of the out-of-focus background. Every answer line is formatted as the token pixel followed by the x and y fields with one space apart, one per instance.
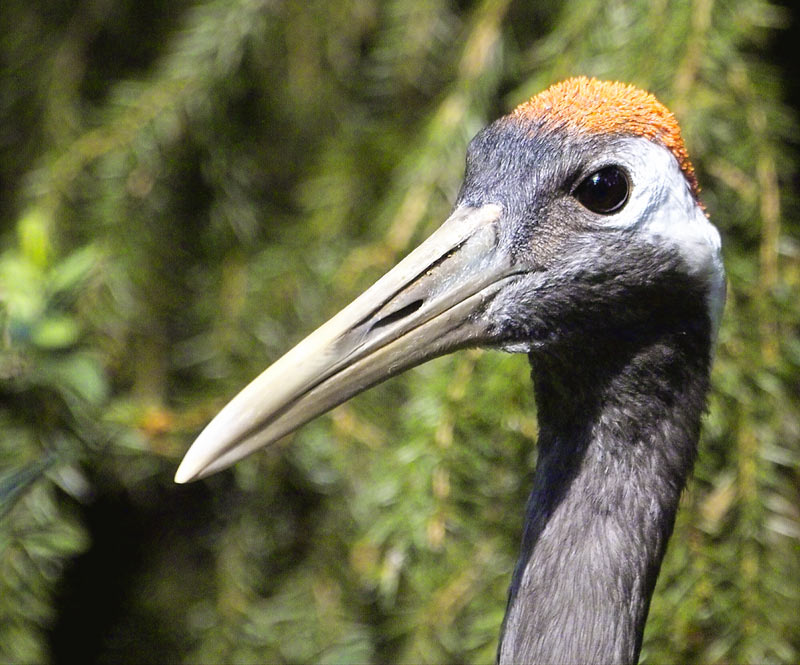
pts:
pixel 187 188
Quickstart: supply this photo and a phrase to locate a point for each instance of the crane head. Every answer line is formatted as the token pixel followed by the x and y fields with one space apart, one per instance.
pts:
pixel 577 210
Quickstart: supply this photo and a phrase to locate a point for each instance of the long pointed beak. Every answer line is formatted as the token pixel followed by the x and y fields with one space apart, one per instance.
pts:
pixel 428 305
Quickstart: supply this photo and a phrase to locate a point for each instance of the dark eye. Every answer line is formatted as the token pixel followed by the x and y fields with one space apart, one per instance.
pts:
pixel 605 191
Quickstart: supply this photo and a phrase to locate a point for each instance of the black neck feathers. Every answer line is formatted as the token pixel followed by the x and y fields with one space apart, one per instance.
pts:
pixel 619 416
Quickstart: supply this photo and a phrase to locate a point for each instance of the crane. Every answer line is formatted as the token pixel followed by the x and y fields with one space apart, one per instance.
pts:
pixel 579 239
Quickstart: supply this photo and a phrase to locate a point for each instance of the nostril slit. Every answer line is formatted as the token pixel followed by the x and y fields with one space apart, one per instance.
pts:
pixel 398 314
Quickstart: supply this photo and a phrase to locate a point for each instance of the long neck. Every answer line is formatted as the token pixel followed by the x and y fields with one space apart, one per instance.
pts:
pixel 618 436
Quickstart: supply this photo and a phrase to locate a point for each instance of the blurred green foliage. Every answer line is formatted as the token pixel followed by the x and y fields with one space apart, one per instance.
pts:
pixel 190 187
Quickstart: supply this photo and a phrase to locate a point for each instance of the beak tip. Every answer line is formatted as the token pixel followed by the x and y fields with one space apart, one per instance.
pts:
pixel 198 461
pixel 186 473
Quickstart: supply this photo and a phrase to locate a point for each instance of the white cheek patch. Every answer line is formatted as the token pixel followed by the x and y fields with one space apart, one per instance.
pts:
pixel 663 210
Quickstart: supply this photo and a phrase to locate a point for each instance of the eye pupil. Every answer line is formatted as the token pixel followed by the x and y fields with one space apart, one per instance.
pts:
pixel 604 191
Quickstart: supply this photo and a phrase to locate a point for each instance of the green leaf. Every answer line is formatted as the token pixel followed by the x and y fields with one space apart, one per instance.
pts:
pixel 14 483
pixel 21 287
pixel 81 374
pixel 69 273
pixel 56 332
pixel 33 231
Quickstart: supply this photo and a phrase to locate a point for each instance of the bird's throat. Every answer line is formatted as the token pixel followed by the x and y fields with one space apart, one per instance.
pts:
pixel 618 435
